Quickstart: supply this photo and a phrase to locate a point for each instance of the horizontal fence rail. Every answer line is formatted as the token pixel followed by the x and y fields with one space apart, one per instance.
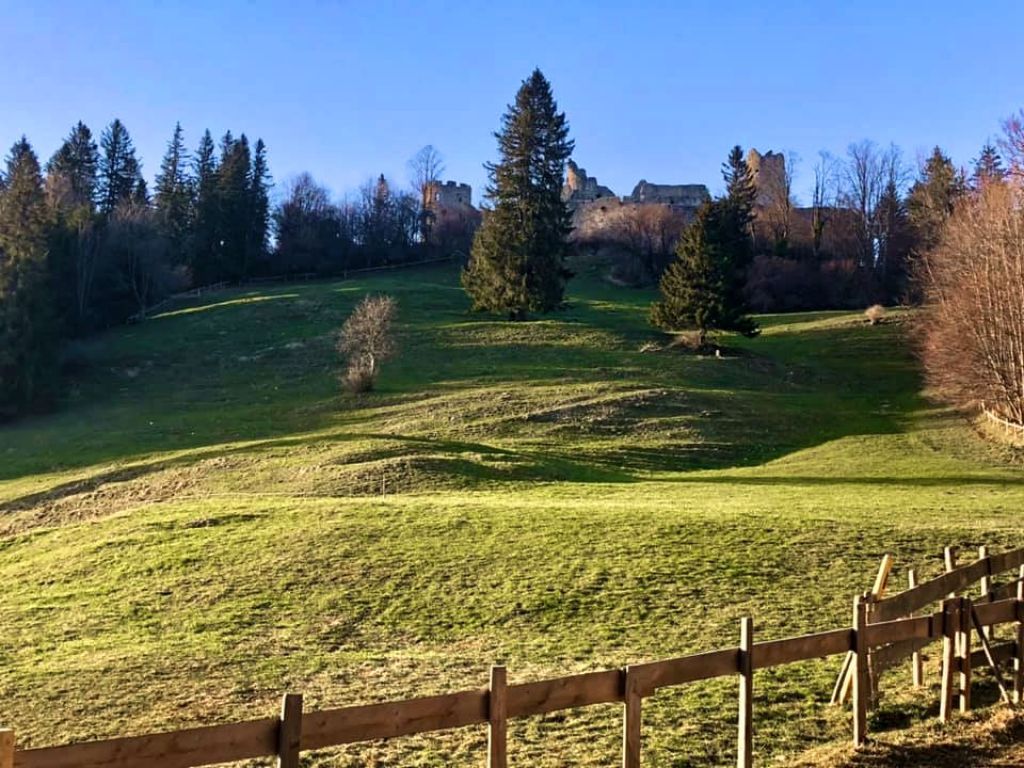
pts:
pixel 883 632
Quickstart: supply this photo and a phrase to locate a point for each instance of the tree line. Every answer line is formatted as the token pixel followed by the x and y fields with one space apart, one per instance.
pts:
pixel 85 244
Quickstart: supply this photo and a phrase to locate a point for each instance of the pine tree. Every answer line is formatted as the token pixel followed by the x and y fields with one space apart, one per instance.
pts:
pixel 988 168
pixel 517 264
pixel 76 164
pixel 173 196
pixel 259 205
pixel 701 288
pixel 203 249
pixel 119 169
pixel 28 338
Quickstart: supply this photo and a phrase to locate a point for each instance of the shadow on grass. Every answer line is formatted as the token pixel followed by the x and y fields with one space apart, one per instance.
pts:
pixel 785 393
pixel 1001 744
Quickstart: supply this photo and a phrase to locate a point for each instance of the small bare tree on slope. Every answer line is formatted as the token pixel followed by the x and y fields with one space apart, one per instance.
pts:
pixel 367 340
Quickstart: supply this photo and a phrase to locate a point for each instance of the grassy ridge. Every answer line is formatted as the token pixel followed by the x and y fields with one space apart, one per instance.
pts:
pixel 202 526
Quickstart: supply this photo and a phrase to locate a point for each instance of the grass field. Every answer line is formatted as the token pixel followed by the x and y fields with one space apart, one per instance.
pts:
pixel 208 521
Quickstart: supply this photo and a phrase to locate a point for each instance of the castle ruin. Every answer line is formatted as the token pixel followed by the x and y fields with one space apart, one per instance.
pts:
pixel 680 196
pixel 769 175
pixel 454 218
pixel 580 188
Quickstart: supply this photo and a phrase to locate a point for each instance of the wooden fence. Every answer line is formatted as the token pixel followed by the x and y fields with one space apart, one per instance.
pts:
pixel 884 630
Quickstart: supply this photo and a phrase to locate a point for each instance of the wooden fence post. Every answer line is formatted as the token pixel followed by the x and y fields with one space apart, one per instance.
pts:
pixel 861 682
pixel 985 586
pixel 917 669
pixel 289 733
pixel 949 557
pixel 6 748
pixel 745 758
pixel 1018 662
pixel 950 629
pixel 965 654
pixel 631 722
pixel 844 682
pixel 497 729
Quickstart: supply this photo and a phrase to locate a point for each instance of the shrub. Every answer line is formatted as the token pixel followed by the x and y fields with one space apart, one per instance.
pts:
pixel 777 284
pixel 874 314
pixel 973 329
pixel 367 340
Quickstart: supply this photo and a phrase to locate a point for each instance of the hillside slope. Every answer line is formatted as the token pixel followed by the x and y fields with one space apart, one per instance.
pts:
pixel 208 520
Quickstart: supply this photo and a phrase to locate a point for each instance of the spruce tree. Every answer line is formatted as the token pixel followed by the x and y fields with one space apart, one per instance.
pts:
pixel 28 338
pixel 173 195
pixel 703 288
pixel 517 264
pixel 259 205
pixel 691 290
pixel 74 239
pixel 988 168
pixel 894 242
pixel 733 235
pixel 76 164
pixel 933 197
pixel 740 190
pixel 119 169
pixel 233 194
pixel 203 249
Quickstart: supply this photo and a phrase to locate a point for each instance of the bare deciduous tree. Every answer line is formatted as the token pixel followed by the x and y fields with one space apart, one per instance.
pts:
pixel 776 190
pixel 140 254
pixel 1012 143
pixel 367 340
pixel 649 233
pixel 869 170
pixel 973 334
pixel 824 199
pixel 425 169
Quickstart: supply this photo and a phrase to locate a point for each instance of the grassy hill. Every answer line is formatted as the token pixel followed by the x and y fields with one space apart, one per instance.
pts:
pixel 208 521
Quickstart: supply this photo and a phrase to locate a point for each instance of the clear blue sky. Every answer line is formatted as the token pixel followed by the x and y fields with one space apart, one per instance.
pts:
pixel 658 90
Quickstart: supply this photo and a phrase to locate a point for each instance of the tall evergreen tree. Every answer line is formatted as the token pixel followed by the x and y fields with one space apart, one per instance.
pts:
pixel 119 169
pixel 74 242
pixel 233 193
pixel 203 251
pixel 259 204
pixel 731 230
pixel 517 264
pixel 933 197
pixel 173 196
pixel 739 184
pixel 895 239
pixel 699 288
pixel 28 338
pixel 988 167
pixel 76 164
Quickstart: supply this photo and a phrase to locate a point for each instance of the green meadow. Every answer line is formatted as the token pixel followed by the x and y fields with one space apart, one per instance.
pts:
pixel 208 520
